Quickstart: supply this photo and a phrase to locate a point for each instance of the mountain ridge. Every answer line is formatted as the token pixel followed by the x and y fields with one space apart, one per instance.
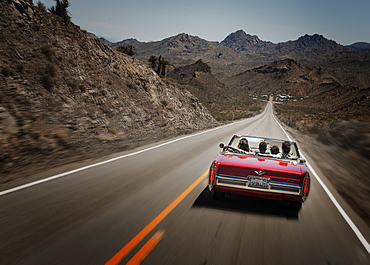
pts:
pixel 238 31
pixel 240 51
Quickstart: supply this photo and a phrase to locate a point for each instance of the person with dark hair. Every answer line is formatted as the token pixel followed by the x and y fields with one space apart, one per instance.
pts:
pixel 274 150
pixel 262 147
pixel 286 149
pixel 243 144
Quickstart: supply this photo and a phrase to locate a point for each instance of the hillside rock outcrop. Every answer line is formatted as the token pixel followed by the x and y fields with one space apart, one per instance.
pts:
pixel 65 94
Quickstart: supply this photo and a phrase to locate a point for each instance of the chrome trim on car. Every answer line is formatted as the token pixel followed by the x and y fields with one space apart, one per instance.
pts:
pixel 243 183
pixel 259 172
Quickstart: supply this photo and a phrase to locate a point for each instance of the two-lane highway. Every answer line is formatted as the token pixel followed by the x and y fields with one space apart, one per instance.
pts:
pixel 151 206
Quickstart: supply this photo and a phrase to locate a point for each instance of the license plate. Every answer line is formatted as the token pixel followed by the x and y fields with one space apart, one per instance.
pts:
pixel 258 182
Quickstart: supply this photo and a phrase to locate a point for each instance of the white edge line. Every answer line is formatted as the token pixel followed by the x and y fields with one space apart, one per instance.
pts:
pixel 108 161
pixel 335 202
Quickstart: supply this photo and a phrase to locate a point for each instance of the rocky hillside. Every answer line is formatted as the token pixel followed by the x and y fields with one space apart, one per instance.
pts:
pixel 199 79
pixel 222 101
pixel 64 95
pixel 284 77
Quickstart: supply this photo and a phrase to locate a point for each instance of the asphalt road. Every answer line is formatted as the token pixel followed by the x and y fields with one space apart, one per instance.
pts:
pixel 151 206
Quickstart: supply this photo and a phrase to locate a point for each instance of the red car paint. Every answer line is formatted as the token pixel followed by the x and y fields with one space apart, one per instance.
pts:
pixel 284 178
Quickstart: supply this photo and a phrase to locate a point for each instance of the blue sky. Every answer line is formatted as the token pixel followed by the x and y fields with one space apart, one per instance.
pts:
pixel 345 21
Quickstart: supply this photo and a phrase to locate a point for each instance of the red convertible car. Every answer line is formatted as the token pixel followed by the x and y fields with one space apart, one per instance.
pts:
pixel 261 167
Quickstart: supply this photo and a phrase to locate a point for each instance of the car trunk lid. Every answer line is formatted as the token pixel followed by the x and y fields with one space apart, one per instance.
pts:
pixel 244 166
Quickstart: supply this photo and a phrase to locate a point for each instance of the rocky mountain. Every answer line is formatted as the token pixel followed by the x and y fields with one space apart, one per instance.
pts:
pixel 64 95
pixel 248 44
pixel 310 43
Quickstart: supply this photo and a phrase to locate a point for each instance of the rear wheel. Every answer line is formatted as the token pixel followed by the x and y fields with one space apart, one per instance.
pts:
pixel 218 195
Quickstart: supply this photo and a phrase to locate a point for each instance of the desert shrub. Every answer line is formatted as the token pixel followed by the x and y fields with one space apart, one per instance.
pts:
pixel 113 131
pixel 255 108
pixel 47 81
pixel 76 86
pixel 73 62
pixel 7 71
pixel 314 130
pixel 82 88
pixel 50 69
pixel 62 136
pixel 132 85
pixel 20 68
pixel 73 84
pixel 48 52
pixel 2 97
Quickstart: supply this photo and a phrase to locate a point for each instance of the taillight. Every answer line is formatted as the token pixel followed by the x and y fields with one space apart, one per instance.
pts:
pixel 212 172
pixel 306 186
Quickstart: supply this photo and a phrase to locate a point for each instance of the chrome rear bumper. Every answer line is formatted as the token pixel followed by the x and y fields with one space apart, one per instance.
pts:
pixel 244 183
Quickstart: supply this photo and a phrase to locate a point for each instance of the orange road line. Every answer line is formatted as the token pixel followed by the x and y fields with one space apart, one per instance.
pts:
pixel 146 249
pixel 146 230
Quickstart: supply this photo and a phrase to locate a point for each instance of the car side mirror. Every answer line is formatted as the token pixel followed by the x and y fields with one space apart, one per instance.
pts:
pixel 301 160
pixel 221 145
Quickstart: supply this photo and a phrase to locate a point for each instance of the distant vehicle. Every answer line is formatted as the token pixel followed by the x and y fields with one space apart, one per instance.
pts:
pixel 261 167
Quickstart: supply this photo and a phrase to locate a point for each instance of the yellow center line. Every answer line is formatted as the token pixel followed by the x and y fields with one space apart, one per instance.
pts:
pixel 146 230
pixel 146 249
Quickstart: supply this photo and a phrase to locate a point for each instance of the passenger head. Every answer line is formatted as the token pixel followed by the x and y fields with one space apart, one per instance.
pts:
pixel 262 147
pixel 285 147
pixel 243 144
pixel 274 150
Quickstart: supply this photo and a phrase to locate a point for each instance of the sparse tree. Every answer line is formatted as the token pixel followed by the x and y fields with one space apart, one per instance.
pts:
pixel 41 6
pixel 164 64
pixel 129 50
pixel 60 9
pixel 122 49
pixel 153 61
pixel 158 64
